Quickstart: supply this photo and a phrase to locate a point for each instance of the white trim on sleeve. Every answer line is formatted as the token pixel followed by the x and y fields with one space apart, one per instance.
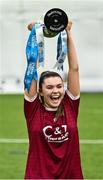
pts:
pixel 71 95
pixel 30 99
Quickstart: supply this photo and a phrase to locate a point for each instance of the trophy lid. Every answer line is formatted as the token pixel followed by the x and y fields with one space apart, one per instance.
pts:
pixel 55 20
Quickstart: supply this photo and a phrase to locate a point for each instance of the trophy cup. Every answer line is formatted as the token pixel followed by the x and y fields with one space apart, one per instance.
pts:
pixel 55 21
pixel 51 24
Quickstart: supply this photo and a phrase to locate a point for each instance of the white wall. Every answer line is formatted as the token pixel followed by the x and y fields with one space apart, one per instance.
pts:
pixel 87 17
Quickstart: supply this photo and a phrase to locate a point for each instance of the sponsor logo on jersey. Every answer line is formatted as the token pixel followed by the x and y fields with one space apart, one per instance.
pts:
pixel 56 134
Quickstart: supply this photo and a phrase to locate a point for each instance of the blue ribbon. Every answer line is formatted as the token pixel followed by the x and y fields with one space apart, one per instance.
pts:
pixel 31 55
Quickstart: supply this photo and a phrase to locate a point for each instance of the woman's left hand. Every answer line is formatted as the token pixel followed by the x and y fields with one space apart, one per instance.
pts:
pixel 68 28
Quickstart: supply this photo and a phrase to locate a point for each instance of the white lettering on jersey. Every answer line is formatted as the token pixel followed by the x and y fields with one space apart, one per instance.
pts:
pixel 56 134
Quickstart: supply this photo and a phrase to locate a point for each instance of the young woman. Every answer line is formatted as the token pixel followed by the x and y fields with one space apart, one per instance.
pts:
pixel 51 116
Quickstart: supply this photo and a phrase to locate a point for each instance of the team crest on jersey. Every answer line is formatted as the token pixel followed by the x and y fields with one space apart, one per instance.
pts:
pixel 56 134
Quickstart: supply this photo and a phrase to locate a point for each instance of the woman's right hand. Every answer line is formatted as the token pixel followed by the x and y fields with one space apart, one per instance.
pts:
pixel 30 25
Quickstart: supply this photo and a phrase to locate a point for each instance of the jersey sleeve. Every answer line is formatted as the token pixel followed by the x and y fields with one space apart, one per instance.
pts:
pixel 71 103
pixel 30 107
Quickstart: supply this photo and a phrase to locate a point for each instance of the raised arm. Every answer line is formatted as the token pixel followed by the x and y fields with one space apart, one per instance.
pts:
pixel 33 89
pixel 73 84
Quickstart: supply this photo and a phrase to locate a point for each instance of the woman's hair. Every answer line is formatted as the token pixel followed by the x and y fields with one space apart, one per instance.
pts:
pixel 47 74
pixel 43 76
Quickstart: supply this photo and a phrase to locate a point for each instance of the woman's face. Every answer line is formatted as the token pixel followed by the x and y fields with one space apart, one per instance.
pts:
pixel 52 91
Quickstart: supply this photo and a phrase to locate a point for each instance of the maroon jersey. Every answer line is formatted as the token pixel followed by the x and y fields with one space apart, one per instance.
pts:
pixel 53 146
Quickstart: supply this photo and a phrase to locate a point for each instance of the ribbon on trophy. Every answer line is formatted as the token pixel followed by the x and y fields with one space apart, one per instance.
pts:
pixel 35 51
pixel 61 49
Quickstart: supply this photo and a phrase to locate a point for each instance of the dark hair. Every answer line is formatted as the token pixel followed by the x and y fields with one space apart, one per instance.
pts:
pixel 47 74
pixel 43 76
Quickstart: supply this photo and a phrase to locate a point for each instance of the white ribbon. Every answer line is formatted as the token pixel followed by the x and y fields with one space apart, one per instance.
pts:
pixel 61 50
pixel 40 43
